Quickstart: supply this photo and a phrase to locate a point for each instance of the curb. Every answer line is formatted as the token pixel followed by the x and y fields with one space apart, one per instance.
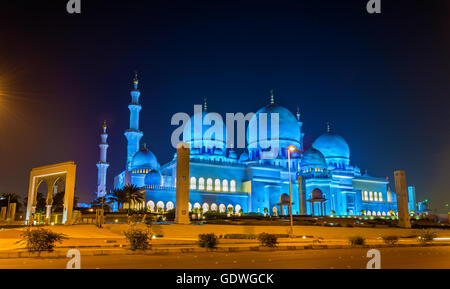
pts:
pixel 106 252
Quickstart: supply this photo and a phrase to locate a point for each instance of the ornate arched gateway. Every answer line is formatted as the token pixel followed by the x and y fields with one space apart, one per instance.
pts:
pixel 51 174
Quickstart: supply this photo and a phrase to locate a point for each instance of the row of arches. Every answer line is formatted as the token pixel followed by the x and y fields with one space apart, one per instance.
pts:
pixel 379 214
pixel 219 186
pixel 205 207
pixel 373 196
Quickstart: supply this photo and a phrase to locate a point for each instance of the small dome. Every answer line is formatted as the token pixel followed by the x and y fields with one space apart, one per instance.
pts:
pixel 144 159
pixel 333 147
pixel 153 178
pixel 313 158
pixel 232 155
pixel 243 157
pixel 284 198
pixel 316 194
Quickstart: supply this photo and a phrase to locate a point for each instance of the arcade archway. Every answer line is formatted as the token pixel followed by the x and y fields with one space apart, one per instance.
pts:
pixel 51 175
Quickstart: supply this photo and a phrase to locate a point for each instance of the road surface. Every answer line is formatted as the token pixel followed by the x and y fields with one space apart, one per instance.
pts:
pixel 412 257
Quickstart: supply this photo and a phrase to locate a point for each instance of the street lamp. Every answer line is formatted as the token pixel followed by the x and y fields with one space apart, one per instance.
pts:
pixel 290 150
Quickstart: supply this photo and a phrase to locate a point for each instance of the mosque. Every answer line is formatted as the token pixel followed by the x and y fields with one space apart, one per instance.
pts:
pixel 323 179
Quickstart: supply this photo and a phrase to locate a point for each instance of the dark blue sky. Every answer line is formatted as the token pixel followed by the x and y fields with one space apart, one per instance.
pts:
pixel 381 80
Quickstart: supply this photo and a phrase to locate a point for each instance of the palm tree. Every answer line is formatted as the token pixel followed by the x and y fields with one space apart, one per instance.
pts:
pixel 119 196
pixel 102 202
pixel 8 198
pixel 134 195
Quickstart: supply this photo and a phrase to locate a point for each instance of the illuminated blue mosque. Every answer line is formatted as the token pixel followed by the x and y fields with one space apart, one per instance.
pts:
pixel 320 179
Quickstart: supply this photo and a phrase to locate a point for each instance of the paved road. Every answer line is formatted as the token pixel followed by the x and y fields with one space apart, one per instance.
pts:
pixel 413 257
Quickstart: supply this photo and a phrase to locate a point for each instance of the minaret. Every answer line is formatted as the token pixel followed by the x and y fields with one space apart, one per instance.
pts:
pixel 133 134
pixel 272 97
pixel 300 126
pixel 102 165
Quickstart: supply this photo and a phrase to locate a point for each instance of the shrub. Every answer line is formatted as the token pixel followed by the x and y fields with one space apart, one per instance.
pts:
pixel 170 215
pixel 426 237
pixel 392 240
pixel 357 240
pixel 138 239
pixel 209 241
pixel 214 215
pixel 267 240
pixel 41 239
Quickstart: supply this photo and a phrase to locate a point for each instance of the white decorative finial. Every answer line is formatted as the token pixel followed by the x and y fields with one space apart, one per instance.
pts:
pixel 272 98
pixel 135 80
pixel 328 127
pixel 205 104
pixel 104 126
pixel 298 113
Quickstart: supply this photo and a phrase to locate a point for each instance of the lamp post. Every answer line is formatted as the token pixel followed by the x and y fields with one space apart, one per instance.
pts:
pixel 290 149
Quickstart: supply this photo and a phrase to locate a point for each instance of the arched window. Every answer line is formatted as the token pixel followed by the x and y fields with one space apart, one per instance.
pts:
pixel 169 206
pixel 151 205
pixel 380 196
pixel 383 213
pixel 213 207
pixel 233 186
pixel 209 184
pixel 369 213
pixel 371 196
pixel 275 211
pixel 193 183
pixel 366 195
pixel 222 208
pixel 205 207
pixel 201 183
pixel 230 208
pixel 160 205
pixel 237 209
pixel 375 196
pixel 197 206
pixel 389 214
pixel 225 185
pixel 217 185
pixel 378 213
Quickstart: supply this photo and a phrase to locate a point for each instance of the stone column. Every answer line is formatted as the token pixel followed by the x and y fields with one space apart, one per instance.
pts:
pixel 3 214
pixel 11 212
pixel 301 199
pixel 182 190
pixel 402 199
pixel 49 201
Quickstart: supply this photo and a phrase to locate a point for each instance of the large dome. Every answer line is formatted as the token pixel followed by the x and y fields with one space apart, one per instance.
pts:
pixel 144 159
pixel 153 178
pixel 289 130
pixel 313 158
pixel 333 147
pixel 207 139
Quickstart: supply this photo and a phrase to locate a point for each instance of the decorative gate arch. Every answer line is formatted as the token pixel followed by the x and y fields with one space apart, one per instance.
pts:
pixel 51 174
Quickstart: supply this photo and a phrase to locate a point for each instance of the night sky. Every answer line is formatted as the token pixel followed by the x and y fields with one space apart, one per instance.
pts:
pixel 383 81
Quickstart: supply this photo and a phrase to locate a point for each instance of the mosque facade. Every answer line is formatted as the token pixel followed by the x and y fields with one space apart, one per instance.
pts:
pixel 323 179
